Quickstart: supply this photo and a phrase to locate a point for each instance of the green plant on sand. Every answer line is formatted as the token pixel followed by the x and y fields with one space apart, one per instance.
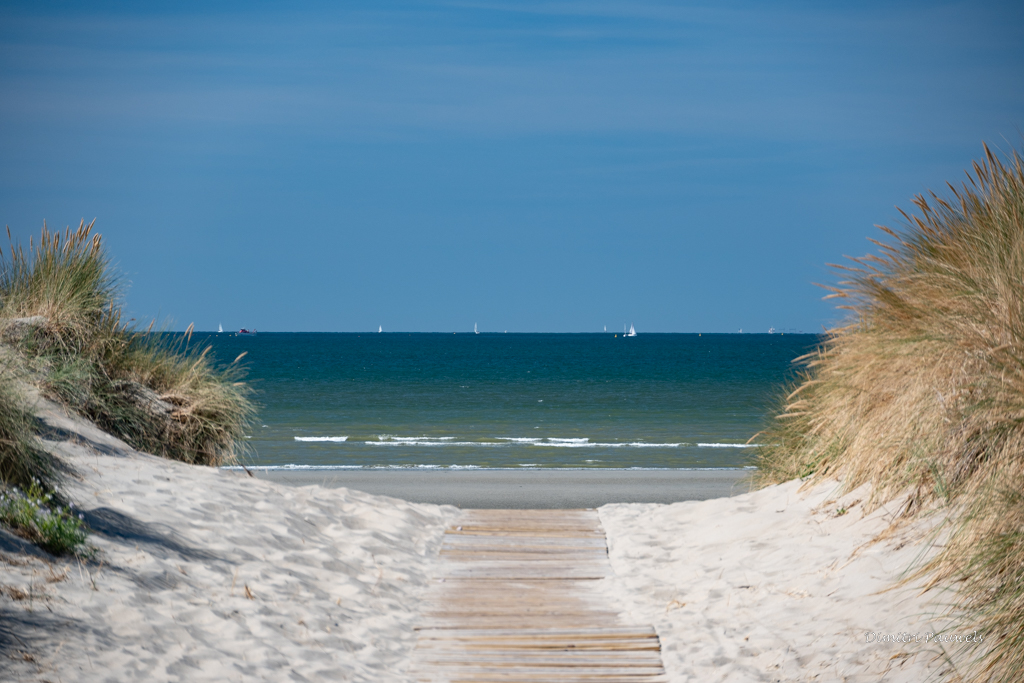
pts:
pixel 21 460
pixel 921 392
pixel 39 517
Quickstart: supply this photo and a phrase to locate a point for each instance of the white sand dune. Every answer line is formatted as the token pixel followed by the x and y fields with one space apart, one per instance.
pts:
pixel 774 586
pixel 208 575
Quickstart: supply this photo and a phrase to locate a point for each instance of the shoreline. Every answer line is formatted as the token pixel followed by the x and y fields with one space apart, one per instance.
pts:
pixel 525 488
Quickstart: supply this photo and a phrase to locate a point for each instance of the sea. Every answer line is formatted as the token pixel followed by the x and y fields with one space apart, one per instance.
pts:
pixel 497 400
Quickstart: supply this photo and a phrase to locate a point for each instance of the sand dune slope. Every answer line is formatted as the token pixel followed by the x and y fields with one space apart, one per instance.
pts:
pixel 773 586
pixel 203 574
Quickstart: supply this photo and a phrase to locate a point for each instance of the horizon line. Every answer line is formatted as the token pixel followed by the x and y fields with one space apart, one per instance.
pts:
pixel 471 333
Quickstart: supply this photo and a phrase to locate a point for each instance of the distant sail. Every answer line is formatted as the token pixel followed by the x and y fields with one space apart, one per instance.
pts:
pixel 474 329
pixel 380 328
pixel 220 328
pixel 632 332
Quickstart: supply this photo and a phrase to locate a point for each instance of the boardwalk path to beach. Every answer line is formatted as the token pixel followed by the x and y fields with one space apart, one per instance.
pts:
pixel 517 597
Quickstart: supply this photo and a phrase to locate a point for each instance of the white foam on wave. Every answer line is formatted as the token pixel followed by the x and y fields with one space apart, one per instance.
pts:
pixel 400 439
pixel 292 466
pixel 412 442
pixel 550 442
pixel 585 443
pixel 271 468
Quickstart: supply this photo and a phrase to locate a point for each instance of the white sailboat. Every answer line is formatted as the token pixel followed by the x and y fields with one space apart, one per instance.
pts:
pixel 380 328
pixel 632 331
pixel 474 329
pixel 220 328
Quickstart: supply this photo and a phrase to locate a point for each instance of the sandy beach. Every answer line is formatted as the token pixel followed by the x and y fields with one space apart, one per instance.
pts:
pixel 775 585
pixel 205 574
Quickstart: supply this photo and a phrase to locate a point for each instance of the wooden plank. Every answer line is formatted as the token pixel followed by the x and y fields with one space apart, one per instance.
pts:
pixel 475 541
pixel 516 557
pixel 472 533
pixel 522 548
pixel 538 678
pixel 580 637
pixel 582 614
pixel 462 671
pixel 574 635
pixel 548 658
pixel 560 548
pixel 512 531
pixel 511 645
pixel 466 553
pixel 536 569
pixel 521 621
pixel 530 603
pixel 532 606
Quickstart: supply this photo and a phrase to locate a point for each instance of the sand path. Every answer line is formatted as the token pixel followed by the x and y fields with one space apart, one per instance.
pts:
pixel 522 595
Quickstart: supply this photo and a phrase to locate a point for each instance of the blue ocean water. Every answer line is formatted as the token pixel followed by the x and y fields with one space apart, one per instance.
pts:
pixel 510 400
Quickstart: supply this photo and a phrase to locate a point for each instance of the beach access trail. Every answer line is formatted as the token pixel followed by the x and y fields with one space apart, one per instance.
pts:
pixel 518 595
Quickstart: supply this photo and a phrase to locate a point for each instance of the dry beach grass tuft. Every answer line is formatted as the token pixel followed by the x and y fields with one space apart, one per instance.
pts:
pixel 922 392
pixel 61 316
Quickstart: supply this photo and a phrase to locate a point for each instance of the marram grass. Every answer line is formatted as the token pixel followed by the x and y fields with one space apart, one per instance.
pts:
pixel 21 461
pixel 921 391
pixel 65 279
pixel 163 397
pixel 169 399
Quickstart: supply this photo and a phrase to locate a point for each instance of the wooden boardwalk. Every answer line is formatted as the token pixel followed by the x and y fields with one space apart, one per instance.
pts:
pixel 515 599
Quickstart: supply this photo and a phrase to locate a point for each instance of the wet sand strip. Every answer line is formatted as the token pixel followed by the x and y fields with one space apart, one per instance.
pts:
pixel 527 488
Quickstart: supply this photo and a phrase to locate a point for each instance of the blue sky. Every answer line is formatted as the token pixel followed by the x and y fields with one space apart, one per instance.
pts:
pixel 528 166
